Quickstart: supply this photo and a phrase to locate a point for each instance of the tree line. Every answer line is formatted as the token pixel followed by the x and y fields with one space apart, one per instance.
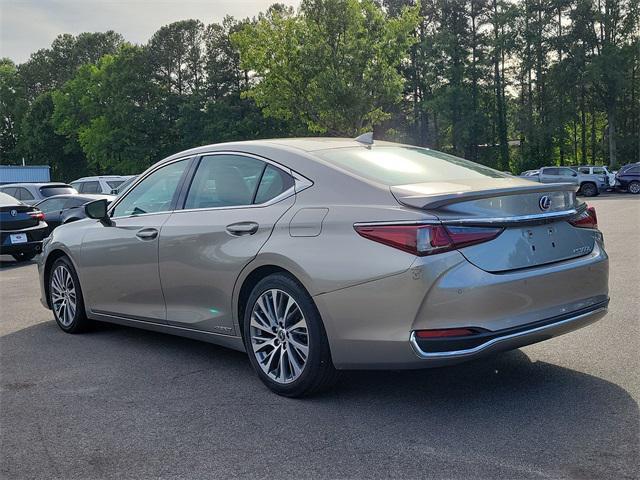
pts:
pixel 510 84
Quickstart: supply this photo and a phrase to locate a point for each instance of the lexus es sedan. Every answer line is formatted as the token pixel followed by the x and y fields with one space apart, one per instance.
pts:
pixel 321 254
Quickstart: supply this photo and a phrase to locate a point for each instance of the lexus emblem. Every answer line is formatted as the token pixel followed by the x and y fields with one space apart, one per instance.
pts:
pixel 13 212
pixel 544 202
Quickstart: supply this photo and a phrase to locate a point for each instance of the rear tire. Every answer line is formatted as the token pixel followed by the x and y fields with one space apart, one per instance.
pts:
pixel 634 187
pixel 65 297
pixel 285 338
pixel 589 189
pixel 24 256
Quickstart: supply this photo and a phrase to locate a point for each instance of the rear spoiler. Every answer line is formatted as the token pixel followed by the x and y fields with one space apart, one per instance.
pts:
pixel 410 194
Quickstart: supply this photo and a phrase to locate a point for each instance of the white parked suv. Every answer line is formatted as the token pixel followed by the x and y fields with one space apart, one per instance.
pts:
pixel 100 184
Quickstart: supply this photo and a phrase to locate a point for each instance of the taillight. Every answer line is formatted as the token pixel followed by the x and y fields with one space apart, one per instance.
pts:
pixel 424 240
pixel 587 219
pixel 37 215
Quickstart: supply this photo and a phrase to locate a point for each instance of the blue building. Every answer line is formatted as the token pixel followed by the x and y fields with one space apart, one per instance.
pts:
pixel 27 173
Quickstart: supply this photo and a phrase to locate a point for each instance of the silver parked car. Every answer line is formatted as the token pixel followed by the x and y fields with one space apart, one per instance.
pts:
pixel 315 255
pixel 32 193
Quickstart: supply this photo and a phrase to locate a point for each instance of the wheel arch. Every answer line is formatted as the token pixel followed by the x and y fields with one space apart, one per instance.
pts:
pixel 250 278
pixel 51 259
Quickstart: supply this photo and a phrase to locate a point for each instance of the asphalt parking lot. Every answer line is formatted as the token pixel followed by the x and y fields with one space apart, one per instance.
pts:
pixel 125 403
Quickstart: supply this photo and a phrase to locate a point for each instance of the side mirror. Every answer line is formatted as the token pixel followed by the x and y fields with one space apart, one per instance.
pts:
pixel 574 174
pixel 98 210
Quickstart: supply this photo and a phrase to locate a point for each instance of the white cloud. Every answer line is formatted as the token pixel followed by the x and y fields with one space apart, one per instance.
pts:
pixel 28 25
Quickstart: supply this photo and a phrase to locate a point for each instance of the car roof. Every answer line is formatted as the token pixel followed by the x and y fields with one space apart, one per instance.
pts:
pixel 82 196
pixel 304 144
pixel 98 177
pixel 36 184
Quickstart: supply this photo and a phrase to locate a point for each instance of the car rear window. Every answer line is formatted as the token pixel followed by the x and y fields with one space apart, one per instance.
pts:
pixel 57 190
pixel 6 200
pixel 405 165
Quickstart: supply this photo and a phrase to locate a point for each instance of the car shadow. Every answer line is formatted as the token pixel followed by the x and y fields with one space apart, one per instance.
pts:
pixel 119 387
pixel 7 262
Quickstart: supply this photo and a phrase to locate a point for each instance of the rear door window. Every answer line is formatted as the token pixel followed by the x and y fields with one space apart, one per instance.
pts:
pixel 23 194
pixel 551 171
pixel 224 181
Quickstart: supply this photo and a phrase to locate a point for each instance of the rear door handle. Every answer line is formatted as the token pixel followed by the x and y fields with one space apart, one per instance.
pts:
pixel 242 228
pixel 147 233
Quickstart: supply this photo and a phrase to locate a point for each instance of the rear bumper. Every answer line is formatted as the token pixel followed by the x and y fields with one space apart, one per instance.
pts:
pixel 370 325
pixel 35 235
pixel 508 339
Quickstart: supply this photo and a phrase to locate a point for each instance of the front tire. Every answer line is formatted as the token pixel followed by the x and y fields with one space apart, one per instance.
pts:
pixel 634 187
pixel 65 297
pixel 589 189
pixel 285 338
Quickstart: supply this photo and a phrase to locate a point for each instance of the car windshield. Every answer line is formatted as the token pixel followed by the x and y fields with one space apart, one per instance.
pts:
pixel 115 183
pixel 405 165
pixel 57 190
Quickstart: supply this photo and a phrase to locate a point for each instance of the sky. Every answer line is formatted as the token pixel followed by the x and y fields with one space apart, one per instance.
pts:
pixel 29 25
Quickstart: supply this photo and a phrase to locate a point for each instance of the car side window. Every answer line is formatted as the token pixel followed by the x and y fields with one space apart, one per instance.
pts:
pixel 91 187
pixel 23 194
pixel 10 191
pixel 274 182
pixel 585 170
pixel 224 181
pixel 75 202
pixel 567 172
pixel 52 205
pixel 154 193
pixel 599 171
pixel 552 171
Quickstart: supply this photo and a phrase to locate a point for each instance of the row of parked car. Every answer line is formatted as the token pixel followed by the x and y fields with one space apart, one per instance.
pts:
pixel 30 211
pixel 590 179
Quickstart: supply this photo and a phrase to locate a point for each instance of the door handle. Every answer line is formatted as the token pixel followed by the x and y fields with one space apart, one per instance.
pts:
pixel 147 233
pixel 242 228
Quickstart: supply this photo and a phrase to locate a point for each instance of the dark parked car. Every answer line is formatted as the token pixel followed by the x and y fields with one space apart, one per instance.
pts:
pixel 22 228
pixel 32 193
pixel 628 178
pixel 67 208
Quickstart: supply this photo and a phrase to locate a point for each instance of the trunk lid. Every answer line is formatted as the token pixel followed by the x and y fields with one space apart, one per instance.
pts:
pixel 16 217
pixel 534 217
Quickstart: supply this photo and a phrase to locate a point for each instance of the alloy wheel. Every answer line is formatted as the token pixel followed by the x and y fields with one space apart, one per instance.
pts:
pixel 63 295
pixel 279 336
pixel 634 187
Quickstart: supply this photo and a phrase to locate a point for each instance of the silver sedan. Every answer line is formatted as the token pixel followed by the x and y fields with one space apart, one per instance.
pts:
pixel 316 255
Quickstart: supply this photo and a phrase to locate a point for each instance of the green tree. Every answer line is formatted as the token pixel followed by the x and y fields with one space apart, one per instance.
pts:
pixel 41 145
pixel 333 66
pixel 115 112
pixel 12 106
pixel 50 68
